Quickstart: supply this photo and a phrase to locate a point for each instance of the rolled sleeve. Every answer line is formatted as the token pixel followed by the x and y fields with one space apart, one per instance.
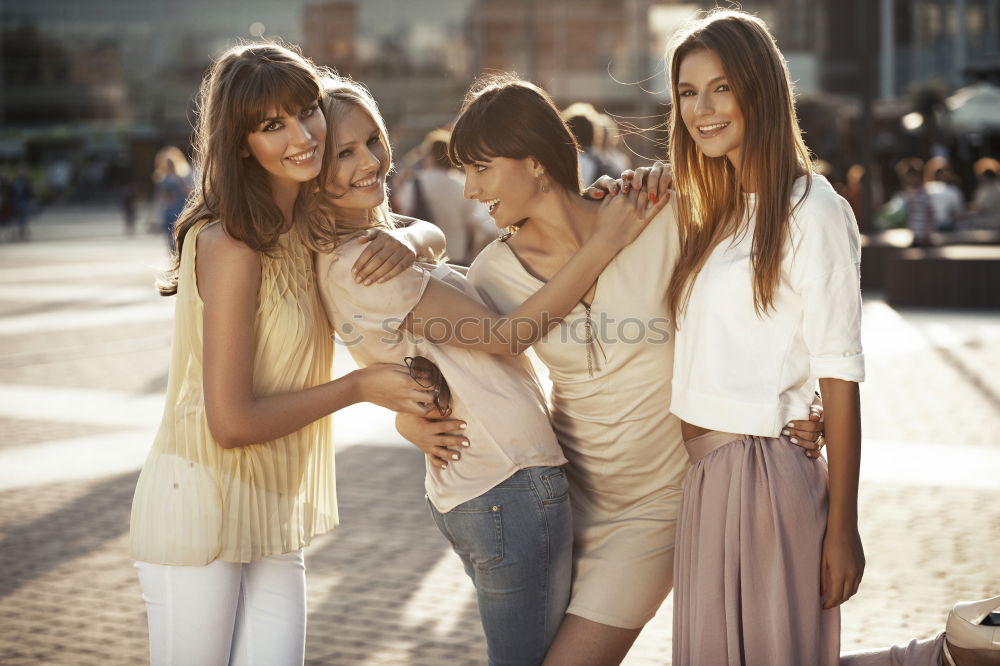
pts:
pixel 380 306
pixel 827 276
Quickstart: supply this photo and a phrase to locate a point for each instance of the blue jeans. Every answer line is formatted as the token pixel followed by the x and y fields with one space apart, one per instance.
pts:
pixel 516 543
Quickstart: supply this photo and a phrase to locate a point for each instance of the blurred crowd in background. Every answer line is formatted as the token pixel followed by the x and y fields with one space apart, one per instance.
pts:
pixel 899 99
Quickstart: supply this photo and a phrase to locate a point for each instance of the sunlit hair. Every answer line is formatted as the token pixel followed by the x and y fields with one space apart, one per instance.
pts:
pixel 242 87
pixel 503 116
pixel 711 205
pixel 340 96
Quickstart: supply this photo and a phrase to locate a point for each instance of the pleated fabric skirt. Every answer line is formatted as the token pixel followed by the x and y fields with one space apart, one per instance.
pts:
pixel 747 564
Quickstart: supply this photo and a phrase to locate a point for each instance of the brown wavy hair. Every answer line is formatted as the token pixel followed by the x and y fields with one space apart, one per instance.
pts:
pixel 342 94
pixel 711 202
pixel 244 85
pixel 504 116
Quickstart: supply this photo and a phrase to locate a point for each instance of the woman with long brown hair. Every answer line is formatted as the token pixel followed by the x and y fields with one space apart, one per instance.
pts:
pixel 767 301
pixel 240 476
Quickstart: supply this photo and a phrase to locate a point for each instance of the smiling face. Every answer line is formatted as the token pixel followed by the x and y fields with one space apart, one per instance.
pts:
pixel 362 160
pixel 289 146
pixel 708 107
pixel 507 187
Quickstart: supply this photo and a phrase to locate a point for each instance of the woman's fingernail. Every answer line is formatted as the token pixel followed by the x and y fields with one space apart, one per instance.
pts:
pixel 462 426
pixel 444 465
pixel 653 197
pixel 794 440
pixel 788 425
pixel 367 282
pixel 465 442
pixel 784 432
pixel 599 194
pixel 455 456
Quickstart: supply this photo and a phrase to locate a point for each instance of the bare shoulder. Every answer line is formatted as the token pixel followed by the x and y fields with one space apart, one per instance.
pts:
pixel 221 259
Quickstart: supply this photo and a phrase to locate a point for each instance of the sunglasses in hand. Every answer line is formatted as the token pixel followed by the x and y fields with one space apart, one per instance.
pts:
pixel 424 372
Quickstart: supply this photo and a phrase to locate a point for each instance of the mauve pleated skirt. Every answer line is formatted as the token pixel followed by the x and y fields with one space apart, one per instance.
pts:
pixel 747 564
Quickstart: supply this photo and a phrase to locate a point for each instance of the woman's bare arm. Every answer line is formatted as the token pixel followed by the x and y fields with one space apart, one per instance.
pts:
pixel 843 554
pixel 445 315
pixel 228 275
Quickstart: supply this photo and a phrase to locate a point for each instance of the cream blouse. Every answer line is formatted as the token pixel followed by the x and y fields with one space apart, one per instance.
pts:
pixel 195 501
pixel 497 396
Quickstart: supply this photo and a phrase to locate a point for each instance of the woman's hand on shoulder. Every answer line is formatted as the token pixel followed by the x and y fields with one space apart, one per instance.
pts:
pixel 655 180
pixel 385 257
pixel 622 218
pixel 441 440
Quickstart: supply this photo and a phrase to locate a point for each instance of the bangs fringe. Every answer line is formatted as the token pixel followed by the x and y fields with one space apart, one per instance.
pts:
pixel 276 87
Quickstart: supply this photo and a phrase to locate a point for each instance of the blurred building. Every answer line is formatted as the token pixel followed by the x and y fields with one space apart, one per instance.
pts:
pixel 331 33
pixel 107 81
pixel 568 46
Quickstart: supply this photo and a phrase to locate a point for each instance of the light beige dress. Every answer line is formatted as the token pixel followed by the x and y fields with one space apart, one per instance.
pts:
pixel 610 400
pixel 195 501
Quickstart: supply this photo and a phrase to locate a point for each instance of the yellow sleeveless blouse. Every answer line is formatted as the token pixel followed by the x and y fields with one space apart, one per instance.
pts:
pixel 195 501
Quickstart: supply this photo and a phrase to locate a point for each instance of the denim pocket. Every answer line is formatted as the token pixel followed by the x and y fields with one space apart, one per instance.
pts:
pixel 477 533
pixel 556 486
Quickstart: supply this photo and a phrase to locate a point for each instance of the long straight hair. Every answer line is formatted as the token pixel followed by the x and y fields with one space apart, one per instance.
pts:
pixel 341 95
pixel 711 202
pixel 242 87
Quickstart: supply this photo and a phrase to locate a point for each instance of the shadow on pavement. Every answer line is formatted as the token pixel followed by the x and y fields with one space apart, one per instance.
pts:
pixel 397 593
pixel 384 587
pixel 80 526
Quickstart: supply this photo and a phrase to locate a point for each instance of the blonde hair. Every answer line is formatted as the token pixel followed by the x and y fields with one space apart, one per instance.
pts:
pixel 246 83
pixel 341 95
pixel 711 205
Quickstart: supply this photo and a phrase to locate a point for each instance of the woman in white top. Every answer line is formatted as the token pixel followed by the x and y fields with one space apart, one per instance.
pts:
pixel 610 363
pixel 767 298
pixel 767 301
pixel 505 508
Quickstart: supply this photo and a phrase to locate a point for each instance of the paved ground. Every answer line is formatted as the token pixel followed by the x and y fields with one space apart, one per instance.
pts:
pixel 83 355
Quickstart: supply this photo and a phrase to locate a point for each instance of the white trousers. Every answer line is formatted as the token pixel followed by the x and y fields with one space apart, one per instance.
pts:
pixel 226 612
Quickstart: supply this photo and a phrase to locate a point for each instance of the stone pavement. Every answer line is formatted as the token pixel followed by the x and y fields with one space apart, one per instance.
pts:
pixel 84 343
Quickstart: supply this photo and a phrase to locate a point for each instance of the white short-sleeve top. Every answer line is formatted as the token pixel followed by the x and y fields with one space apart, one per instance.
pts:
pixel 735 371
pixel 497 396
